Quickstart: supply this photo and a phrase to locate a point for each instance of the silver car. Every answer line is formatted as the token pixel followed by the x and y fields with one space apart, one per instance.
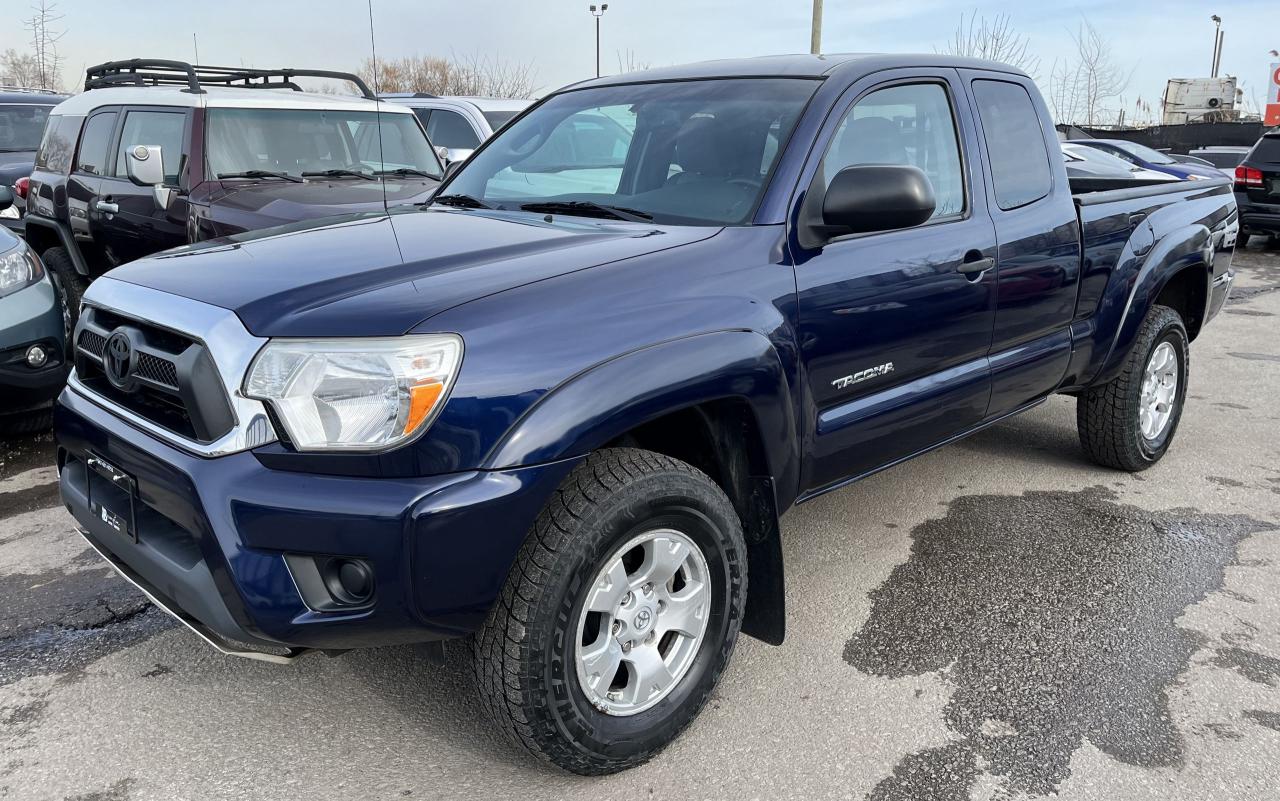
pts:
pixel 457 125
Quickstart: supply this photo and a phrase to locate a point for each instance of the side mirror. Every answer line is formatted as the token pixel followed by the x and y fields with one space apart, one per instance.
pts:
pixel 6 197
pixel 878 197
pixel 442 153
pixel 450 168
pixel 145 165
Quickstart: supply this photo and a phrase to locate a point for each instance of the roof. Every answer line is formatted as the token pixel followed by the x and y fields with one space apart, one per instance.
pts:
pixel 482 103
pixel 798 66
pixel 214 97
pixel 11 97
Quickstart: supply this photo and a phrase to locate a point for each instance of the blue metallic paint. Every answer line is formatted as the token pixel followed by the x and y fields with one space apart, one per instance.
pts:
pixel 578 331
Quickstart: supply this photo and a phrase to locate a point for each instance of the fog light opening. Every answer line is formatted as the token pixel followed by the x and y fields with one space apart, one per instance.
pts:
pixel 37 356
pixel 349 581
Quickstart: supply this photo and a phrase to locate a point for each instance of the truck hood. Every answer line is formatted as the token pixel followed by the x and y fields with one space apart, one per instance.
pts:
pixel 238 206
pixel 383 274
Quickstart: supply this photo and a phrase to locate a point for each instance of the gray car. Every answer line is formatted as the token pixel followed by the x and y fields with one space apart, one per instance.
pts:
pixel 459 124
pixel 33 331
pixel 22 116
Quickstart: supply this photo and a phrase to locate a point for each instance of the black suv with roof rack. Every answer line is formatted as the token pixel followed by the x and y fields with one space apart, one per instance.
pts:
pixel 158 154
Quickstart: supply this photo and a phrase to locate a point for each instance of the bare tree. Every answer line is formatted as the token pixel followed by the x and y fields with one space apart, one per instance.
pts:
pixel 44 44
pixel 995 40
pixel 1081 86
pixel 18 69
pixel 466 75
pixel 627 62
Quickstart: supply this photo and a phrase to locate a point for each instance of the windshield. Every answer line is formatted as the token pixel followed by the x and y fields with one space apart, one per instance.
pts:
pixel 1145 153
pixel 1100 158
pixel 21 125
pixel 1221 158
pixel 1266 150
pixel 305 141
pixel 689 152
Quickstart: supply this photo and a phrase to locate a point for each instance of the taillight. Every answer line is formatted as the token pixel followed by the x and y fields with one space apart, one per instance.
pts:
pixel 22 186
pixel 1248 176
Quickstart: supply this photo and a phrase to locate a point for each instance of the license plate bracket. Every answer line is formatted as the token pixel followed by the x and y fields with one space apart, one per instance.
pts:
pixel 116 500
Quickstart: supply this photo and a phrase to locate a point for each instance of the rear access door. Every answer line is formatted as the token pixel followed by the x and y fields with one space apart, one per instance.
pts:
pixel 1038 261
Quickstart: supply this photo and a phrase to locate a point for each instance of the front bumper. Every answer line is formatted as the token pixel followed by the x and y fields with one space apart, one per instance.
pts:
pixel 28 317
pixel 212 535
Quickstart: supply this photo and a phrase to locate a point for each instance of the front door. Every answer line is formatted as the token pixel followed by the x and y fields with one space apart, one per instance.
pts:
pixel 895 326
pixel 138 227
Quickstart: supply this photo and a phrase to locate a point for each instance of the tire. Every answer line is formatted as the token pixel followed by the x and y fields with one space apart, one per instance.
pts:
pixel 527 651
pixel 1109 417
pixel 69 284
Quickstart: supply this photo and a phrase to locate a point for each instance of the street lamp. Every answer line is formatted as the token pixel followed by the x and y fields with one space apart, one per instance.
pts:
pixel 1217 45
pixel 598 13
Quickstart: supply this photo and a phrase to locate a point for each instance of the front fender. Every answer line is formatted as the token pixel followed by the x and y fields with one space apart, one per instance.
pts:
pixel 606 401
pixel 1177 250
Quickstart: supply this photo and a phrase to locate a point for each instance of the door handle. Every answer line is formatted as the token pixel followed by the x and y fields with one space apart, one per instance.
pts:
pixel 107 208
pixel 976 267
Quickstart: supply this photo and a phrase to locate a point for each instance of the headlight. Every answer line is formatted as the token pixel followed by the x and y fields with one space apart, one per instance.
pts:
pixel 355 394
pixel 19 268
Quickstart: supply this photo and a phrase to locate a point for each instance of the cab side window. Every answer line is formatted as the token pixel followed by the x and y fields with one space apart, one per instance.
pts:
pixel 163 128
pixel 95 143
pixel 910 124
pixel 450 129
pixel 1015 143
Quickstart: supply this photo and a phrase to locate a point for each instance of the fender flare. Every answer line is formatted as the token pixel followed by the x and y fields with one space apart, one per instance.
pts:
pixel 68 241
pixel 1178 250
pixel 604 402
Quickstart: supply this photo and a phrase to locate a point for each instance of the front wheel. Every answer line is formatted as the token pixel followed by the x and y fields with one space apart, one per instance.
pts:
pixel 619 615
pixel 1129 422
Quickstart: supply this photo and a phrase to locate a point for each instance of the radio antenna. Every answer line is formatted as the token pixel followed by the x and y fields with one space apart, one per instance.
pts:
pixel 377 91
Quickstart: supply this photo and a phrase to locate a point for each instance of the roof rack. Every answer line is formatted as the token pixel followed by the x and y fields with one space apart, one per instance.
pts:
pixel 408 95
pixel 155 72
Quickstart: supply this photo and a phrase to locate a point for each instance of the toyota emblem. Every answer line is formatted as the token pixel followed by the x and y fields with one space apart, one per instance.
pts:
pixel 118 360
pixel 643 619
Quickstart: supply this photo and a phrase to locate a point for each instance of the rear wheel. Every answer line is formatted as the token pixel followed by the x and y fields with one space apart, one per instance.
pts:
pixel 619 615
pixel 1129 422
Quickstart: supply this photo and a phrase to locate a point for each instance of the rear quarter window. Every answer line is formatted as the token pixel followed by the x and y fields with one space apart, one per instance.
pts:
pixel 1020 172
pixel 58 143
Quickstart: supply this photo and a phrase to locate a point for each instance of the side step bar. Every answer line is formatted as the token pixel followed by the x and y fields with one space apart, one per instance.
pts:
pixel 202 631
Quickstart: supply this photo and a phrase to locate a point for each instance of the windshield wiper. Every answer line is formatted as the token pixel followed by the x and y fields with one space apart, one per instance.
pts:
pixel 339 174
pixel 460 201
pixel 405 171
pixel 284 176
pixel 586 208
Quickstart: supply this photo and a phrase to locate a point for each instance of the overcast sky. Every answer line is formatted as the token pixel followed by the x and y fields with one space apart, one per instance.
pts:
pixel 1157 39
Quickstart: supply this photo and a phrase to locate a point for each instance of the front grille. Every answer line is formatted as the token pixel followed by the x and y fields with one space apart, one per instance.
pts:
pixel 170 381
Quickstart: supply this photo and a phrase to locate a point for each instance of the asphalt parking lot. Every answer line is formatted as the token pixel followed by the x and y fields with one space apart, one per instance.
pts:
pixel 998 619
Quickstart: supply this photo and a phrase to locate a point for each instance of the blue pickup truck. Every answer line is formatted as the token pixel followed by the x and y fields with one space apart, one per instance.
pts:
pixel 559 410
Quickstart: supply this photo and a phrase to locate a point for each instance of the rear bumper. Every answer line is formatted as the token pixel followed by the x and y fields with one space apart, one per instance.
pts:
pixel 1259 217
pixel 212 536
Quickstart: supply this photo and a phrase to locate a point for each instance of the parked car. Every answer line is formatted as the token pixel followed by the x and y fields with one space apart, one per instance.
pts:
pixel 1257 181
pixel 1225 157
pixel 567 424
pixel 1089 164
pixel 459 124
pixel 156 154
pixel 1150 159
pixel 22 116
pixel 33 333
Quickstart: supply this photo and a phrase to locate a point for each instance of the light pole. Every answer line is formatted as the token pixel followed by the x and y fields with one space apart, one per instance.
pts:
pixel 598 14
pixel 1217 45
pixel 815 32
